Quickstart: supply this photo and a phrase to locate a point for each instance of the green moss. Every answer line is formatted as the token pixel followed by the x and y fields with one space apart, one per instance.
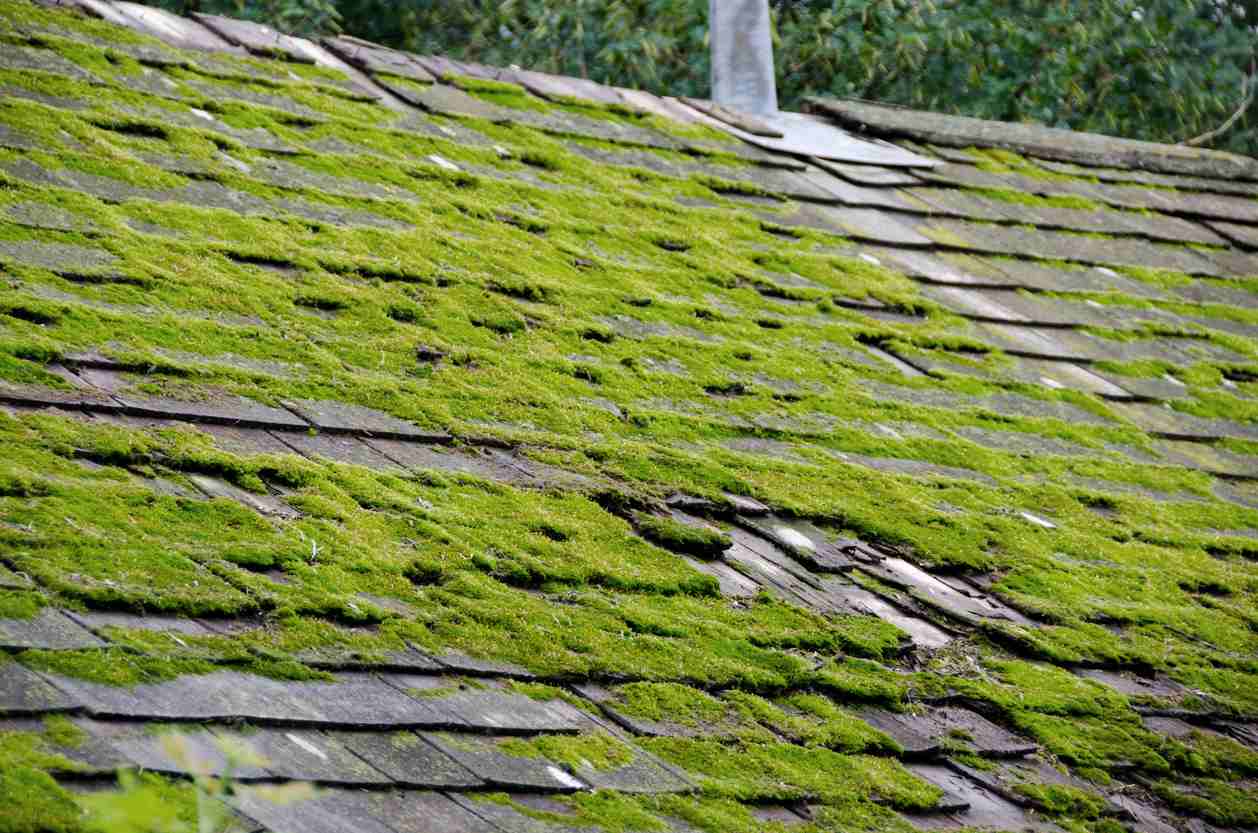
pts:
pixel 683 538
pixel 119 667
pixel 669 702
pixel 20 604
pixel 812 719
pixel 543 692
pixel 61 731
pixel 112 667
pixel 494 302
pixel 1221 803
pixel 1062 800
pixel 594 750
pixel 784 772
pixel 1023 198
pixel 36 750
pixel 35 803
pixel 606 810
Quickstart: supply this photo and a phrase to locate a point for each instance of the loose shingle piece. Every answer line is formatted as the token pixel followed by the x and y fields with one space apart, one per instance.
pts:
pixel 423 445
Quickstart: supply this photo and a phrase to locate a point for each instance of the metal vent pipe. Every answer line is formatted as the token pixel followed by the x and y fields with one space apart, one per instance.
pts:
pixel 741 49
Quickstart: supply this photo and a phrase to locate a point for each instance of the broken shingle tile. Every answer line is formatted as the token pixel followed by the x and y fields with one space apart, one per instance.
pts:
pixel 915 736
pixel 171 28
pixel 1011 779
pixel 346 418
pixel 244 441
pixel 1242 234
pixel 376 59
pixel 265 504
pixel 22 691
pixel 488 756
pixel 341 448
pixel 1144 817
pixel 976 733
pixel 921 632
pixel 210 407
pixel 972 607
pixel 260 39
pixel 809 544
pixel 773 567
pixel 975 805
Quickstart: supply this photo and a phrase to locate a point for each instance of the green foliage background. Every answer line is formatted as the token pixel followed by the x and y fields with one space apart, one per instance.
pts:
pixel 1164 70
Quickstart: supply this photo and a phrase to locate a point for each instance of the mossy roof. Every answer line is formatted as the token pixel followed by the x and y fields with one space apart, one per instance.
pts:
pixel 503 452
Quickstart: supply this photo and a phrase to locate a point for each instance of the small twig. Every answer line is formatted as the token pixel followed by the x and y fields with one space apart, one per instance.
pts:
pixel 1247 98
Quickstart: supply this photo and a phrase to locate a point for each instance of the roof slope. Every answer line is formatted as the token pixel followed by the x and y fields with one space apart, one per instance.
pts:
pixel 502 452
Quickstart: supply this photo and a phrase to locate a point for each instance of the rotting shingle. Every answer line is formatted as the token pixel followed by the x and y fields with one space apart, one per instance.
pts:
pixel 343 449
pixel 342 417
pixel 24 692
pixel 49 629
pixel 486 756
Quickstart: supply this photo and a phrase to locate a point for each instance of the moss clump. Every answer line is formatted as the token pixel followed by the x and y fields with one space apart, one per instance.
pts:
pixel 594 750
pixel 669 702
pixel 119 667
pixel 814 720
pixel 543 692
pixel 112 666
pixel 785 772
pixel 683 538
pixel 1221 803
pixel 1062 800
pixel 20 604
pixel 603 809
pixel 35 803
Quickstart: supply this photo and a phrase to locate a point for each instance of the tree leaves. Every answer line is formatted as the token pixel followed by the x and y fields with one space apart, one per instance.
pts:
pixel 1162 70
